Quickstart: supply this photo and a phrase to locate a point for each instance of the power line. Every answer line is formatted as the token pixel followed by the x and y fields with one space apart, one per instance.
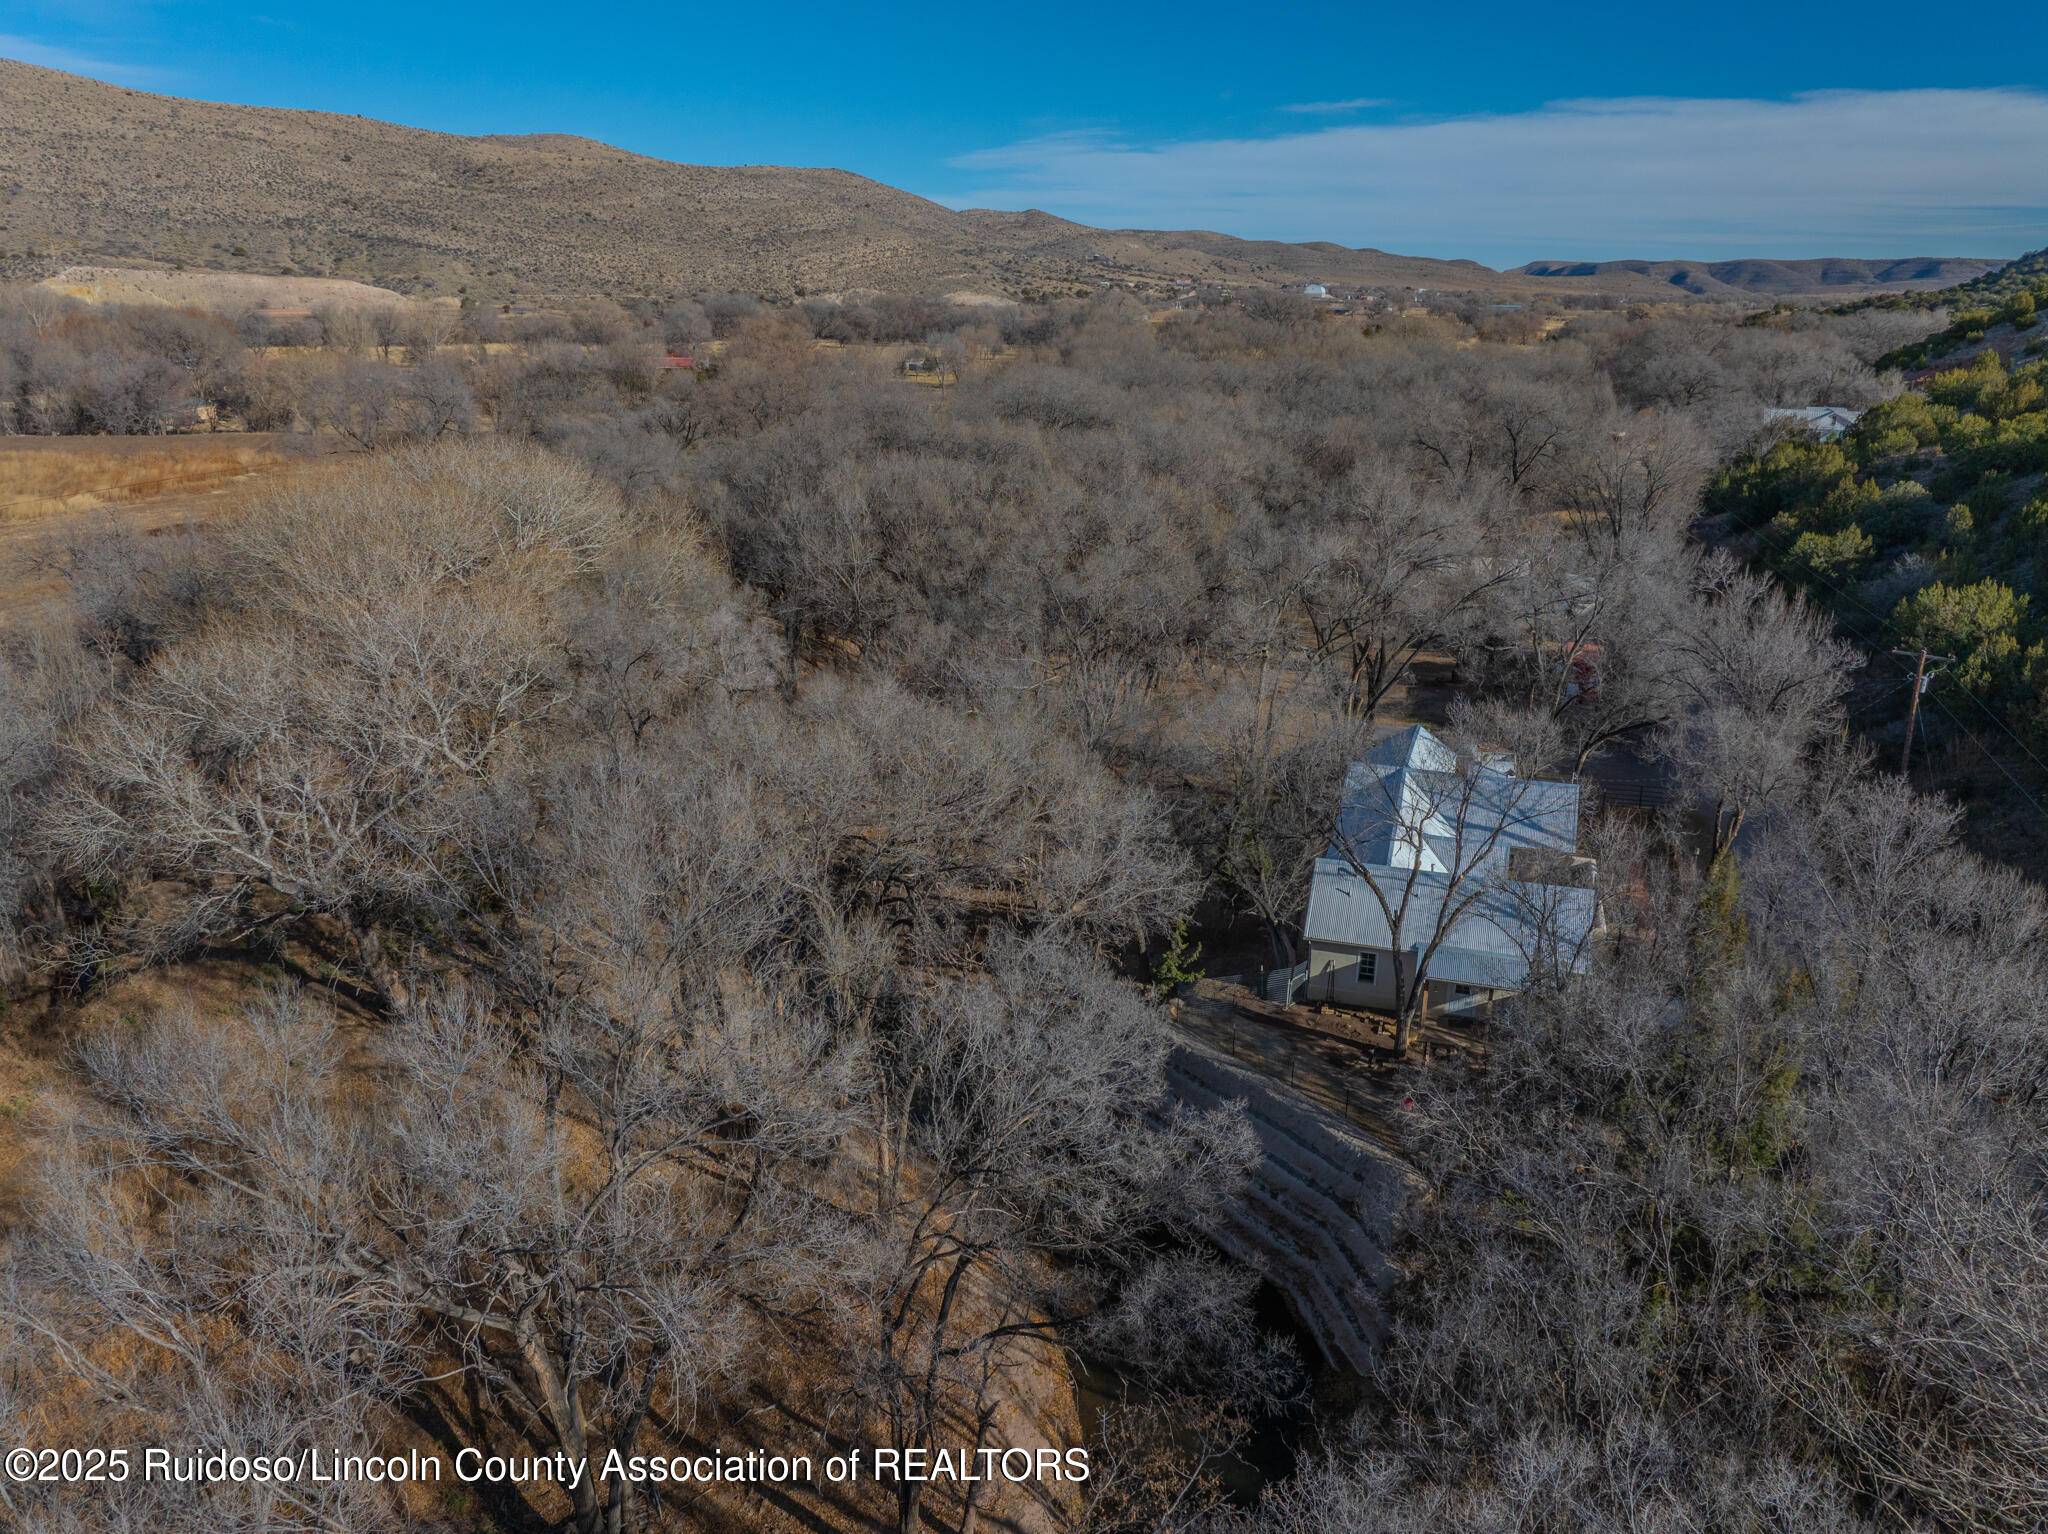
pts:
pixel 1991 714
pixel 1920 681
pixel 1884 622
pixel 1962 687
pixel 1994 761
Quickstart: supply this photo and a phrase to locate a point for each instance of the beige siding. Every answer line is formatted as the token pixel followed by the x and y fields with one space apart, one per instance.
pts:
pixel 1333 975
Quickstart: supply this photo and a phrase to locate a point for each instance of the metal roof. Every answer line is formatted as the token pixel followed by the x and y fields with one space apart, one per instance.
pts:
pixel 1504 926
pixel 1424 827
pixel 1412 802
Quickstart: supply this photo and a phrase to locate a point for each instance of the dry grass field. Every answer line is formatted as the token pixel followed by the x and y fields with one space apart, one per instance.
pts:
pixel 55 490
pixel 42 477
pixel 218 292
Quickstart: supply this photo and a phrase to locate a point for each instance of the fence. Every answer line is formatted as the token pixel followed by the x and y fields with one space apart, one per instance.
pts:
pixel 1635 794
pixel 1281 986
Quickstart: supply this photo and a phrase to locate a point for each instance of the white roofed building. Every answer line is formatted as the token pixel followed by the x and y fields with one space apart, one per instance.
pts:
pixel 1448 882
pixel 1825 421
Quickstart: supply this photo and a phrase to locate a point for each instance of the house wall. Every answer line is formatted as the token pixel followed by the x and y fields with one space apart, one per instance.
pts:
pixel 1333 976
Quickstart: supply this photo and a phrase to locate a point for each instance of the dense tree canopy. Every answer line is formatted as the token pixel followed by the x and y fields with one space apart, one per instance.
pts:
pixel 711 835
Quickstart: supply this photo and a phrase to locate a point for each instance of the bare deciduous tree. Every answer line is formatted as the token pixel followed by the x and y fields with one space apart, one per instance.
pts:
pixel 1764 680
pixel 1388 573
pixel 1023 1151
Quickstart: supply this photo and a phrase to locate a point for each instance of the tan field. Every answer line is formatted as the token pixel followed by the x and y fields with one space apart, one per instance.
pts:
pixel 220 292
pixel 54 489
pixel 42 477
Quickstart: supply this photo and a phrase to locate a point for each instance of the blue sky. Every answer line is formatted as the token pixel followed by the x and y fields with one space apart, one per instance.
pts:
pixel 1502 132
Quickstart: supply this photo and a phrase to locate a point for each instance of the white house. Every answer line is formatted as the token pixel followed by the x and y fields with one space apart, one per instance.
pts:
pixel 1477 869
pixel 1824 421
pixel 1315 290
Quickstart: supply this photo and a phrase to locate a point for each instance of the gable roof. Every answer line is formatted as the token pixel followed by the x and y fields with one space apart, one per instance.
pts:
pixel 1428 828
pixel 1410 802
pixel 1824 419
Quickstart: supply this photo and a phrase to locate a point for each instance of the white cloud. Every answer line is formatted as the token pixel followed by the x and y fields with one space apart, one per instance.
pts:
pixel 1332 108
pixel 1918 172
pixel 27 51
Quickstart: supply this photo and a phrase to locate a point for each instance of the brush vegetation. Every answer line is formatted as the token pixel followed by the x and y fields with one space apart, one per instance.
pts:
pixel 718 837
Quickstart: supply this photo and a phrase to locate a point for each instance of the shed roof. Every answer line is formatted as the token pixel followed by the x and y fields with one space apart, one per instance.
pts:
pixel 1499 933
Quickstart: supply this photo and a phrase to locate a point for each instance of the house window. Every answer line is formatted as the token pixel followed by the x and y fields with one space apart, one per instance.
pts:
pixel 1368 968
pixel 1464 990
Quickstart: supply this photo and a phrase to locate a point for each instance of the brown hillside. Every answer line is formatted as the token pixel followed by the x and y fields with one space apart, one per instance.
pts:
pixel 1205 254
pixel 92 173
pixel 90 170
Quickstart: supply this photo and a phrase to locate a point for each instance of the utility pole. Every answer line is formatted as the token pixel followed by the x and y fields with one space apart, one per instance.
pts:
pixel 1920 681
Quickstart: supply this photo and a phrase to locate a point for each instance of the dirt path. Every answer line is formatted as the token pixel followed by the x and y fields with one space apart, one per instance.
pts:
pixel 1343 1061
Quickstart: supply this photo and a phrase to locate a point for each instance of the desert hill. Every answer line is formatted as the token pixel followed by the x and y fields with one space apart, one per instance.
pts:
pixel 92 173
pixel 98 174
pixel 1206 255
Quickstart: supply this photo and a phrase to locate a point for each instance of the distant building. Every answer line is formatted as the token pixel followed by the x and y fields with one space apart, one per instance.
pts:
pixel 1584 668
pixel 676 360
pixel 1825 421
pixel 1315 290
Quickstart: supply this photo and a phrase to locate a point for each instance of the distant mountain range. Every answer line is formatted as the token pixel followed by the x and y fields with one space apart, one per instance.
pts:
pixel 92 173
pixel 1756 278
pixel 1985 292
